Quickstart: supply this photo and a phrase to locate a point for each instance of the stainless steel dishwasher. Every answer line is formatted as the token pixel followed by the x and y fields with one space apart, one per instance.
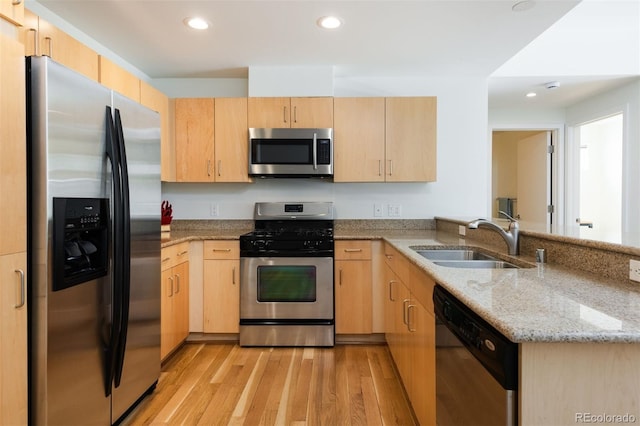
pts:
pixel 476 368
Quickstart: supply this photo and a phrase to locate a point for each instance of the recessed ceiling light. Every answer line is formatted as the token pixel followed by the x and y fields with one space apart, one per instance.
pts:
pixel 329 22
pixel 531 95
pixel 521 6
pixel 196 23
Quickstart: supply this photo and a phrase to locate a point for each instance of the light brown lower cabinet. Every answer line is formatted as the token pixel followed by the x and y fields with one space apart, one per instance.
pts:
pixel 410 334
pixel 353 287
pixel 13 339
pixel 221 287
pixel 174 323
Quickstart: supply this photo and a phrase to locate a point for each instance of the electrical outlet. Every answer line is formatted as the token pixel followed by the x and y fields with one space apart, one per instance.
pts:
pixel 378 210
pixel 215 211
pixel 634 270
pixel 462 230
pixel 394 210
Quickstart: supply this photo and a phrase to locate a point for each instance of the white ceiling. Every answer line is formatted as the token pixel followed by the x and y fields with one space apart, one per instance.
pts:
pixel 379 37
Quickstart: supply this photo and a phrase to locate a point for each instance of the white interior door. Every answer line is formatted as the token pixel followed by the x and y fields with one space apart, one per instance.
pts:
pixel 533 177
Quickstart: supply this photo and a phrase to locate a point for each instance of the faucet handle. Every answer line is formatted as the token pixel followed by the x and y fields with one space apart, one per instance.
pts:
pixel 507 216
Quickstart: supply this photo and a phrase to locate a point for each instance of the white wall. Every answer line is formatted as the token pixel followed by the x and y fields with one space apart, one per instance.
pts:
pixel 463 164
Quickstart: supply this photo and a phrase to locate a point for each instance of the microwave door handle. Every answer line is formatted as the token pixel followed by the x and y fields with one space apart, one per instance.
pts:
pixel 315 151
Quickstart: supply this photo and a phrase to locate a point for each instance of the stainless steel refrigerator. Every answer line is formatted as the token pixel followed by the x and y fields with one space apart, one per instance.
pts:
pixel 94 248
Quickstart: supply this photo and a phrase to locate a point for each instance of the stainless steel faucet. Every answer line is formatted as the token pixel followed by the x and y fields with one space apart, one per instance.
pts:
pixel 510 236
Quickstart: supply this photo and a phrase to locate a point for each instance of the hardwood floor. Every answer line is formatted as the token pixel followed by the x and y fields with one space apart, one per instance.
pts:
pixel 224 384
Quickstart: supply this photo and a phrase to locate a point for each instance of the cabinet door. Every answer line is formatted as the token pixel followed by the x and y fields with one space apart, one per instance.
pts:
pixel 119 79
pixel 181 302
pixel 312 112
pixel 13 172
pixel 422 391
pixel 231 140
pixel 66 50
pixel 353 297
pixel 269 112
pixel 194 126
pixel 410 139
pixel 12 11
pixel 359 151
pixel 221 296
pixel 13 340
pixel 166 313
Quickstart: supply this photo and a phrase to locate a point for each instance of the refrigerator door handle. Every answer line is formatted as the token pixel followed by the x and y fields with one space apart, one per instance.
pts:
pixel 126 249
pixel 116 302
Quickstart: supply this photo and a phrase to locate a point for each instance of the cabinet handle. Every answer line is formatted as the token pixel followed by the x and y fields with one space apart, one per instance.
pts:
pixel 16 2
pixel 409 308
pixel 390 167
pixel 227 250
pixel 166 259
pixel 219 167
pixel 391 290
pixel 379 167
pixel 357 250
pixel 340 277
pixel 177 283
pixel 284 113
pixel 183 252
pixel 22 289
pixel 171 286
pixel 405 320
pixel 50 40
pixel 208 167
pixel 295 114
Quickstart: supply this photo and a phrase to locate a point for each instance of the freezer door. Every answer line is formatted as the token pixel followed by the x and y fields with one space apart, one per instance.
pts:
pixel 68 327
pixel 141 368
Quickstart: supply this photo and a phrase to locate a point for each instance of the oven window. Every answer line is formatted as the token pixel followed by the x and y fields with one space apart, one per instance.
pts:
pixel 285 151
pixel 287 283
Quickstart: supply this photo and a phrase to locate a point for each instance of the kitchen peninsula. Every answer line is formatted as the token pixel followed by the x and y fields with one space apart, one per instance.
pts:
pixel 579 333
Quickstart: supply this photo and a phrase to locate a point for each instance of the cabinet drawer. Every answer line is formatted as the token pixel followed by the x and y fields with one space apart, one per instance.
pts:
pixel 222 249
pixel 421 286
pixel 397 262
pixel 353 250
pixel 174 255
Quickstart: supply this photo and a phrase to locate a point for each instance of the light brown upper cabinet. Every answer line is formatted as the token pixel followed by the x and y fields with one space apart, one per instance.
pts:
pixel 385 139
pixel 117 78
pixel 410 139
pixel 156 100
pixel 194 127
pixel 231 140
pixel 358 140
pixel 40 38
pixel 291 112
pixel 12 11
pixel 211 140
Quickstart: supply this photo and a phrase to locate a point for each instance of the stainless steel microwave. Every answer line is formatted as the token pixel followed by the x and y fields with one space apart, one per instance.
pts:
pixel 290 152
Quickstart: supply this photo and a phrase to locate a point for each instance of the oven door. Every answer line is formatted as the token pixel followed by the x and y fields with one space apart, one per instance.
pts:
pixel 286 288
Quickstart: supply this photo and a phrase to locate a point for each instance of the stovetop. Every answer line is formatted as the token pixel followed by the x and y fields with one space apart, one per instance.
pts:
pixel 289 238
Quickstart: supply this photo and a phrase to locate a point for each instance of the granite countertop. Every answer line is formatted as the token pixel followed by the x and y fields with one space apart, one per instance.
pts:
pixel 541 303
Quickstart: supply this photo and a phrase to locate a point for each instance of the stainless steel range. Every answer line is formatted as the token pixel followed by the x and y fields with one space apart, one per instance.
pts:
pixel 286 276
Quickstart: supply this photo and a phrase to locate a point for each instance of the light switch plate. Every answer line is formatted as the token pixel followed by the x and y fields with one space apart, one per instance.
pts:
pixel 634 270
pixel 462 230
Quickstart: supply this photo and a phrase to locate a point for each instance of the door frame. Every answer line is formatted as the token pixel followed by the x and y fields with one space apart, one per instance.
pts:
pixel 558 167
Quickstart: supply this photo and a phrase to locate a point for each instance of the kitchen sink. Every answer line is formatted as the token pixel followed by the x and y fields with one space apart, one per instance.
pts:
pixel 454 254
pixel 463 258
pixel 478 264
